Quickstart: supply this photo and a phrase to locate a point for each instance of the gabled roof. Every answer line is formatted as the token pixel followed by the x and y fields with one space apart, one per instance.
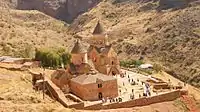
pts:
pixel 79 69
pixel 78 48
pixel 102 50
pixel 90 79
pixel 106 50
pixel 92 46
pixel 98 29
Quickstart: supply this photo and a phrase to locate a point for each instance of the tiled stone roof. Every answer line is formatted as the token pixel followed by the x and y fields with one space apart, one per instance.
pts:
pixel 106 50
pixel 91 78
pixel 98 29
pixel 79 69
pixel 97 49
pixel 78 48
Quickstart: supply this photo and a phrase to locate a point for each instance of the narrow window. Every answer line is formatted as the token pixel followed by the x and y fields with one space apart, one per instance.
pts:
pixel 99 85
pixel 112 63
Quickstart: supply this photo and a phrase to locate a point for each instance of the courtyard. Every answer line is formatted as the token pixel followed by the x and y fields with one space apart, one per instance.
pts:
pixel 131 86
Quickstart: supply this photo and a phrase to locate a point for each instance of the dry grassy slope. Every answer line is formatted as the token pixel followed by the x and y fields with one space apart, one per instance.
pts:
pixel 19 29
pixel 17 94
pixel 171 38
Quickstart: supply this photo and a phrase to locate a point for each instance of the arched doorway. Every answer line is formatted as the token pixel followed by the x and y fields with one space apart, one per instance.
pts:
pixel 113 73
pixel 100 95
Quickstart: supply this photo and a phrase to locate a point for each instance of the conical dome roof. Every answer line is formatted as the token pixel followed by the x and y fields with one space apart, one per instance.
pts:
pixel 78 48
pixel 98 29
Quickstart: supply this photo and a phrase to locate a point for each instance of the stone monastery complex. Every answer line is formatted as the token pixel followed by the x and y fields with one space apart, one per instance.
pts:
pixel 93 79
pixel 90 73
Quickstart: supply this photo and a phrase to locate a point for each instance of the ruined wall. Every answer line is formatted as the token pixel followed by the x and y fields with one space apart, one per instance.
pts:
pixel 57 94
pixel 62 82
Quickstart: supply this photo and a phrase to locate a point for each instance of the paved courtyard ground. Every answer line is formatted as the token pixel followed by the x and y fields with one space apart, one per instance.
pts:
pixel 126 88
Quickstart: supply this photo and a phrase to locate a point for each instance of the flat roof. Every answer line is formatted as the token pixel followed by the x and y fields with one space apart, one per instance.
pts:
pixel 90 78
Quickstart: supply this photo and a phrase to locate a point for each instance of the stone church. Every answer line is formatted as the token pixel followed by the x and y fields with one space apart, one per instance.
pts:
pixel 102 54
pixel 90 73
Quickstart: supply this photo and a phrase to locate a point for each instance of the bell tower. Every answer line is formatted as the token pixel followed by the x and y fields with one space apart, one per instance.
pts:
pixel 79 53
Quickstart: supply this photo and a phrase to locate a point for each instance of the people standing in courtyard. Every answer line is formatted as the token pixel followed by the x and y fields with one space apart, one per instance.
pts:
pixel 131 96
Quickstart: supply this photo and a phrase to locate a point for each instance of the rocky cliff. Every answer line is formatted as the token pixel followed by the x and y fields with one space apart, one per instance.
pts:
pixel 68 10
pixel 65 10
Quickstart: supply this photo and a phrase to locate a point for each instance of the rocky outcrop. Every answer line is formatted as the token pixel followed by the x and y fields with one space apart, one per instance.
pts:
pixel 68 10
pixel 166 4
pixel 65 10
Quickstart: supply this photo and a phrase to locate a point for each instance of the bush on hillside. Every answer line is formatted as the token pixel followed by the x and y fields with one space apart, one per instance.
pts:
pixel 131 63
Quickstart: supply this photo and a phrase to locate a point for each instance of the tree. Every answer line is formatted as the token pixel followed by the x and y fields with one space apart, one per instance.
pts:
pixel 52 57
pixel 66 57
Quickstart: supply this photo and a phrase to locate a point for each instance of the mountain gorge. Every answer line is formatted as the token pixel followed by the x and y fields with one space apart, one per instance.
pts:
pixel 65 10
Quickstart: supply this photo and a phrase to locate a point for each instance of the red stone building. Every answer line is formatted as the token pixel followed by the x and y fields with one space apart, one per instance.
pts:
pixel 94 86
pixel 102 54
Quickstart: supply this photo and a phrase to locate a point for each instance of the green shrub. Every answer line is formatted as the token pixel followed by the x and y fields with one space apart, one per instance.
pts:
pixel 138 62
pixel 53 58
pixel 131 63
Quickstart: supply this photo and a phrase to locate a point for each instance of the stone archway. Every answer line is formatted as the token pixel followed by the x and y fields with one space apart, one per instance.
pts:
pixel 100 95
pixel 113 73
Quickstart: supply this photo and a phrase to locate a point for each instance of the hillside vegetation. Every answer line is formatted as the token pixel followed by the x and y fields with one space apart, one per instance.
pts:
pixel 22 31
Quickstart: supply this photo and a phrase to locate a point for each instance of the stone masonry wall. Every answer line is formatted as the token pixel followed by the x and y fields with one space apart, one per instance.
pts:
pixel 91 91
pixel 170 96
